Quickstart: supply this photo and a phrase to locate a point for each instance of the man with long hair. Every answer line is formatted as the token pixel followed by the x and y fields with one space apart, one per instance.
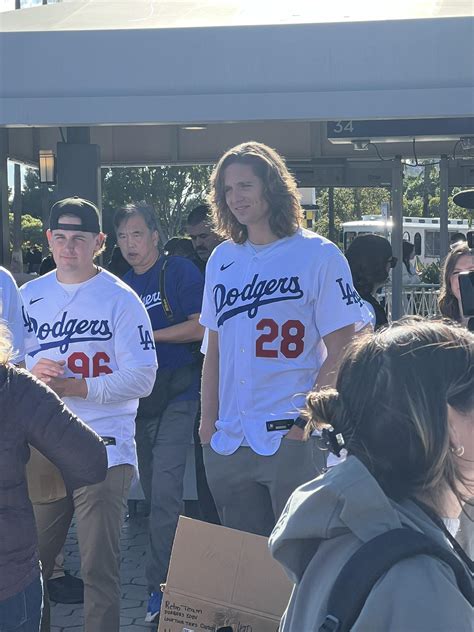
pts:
pixel 280 308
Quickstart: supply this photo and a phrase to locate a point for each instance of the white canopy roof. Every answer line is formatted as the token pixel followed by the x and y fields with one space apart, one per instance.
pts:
pixel 152 14
pixel 106 62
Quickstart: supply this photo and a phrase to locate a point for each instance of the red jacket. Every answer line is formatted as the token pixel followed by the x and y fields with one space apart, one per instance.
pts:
pixel 30 413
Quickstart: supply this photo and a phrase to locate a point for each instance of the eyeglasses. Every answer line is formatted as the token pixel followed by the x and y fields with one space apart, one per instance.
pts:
pixel 392 261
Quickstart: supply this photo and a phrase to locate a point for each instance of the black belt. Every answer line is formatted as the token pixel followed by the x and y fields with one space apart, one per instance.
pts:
pixel 109 440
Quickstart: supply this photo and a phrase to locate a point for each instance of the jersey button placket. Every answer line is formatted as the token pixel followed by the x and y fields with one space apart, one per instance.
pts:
pixel 243 368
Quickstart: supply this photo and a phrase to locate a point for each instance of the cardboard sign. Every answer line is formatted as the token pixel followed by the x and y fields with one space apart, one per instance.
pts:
pixel 222 580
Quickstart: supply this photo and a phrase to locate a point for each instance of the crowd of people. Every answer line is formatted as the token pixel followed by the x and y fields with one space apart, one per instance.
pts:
pixel 255 336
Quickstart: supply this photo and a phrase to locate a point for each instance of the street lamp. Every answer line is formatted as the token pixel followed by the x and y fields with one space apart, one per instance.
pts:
pixel 47 166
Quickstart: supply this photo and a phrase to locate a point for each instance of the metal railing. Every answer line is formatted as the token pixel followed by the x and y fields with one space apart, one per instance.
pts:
pixel 421 300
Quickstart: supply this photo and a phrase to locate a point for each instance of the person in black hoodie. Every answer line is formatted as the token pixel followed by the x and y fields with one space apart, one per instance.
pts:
pixel 371 258
pixel 32 414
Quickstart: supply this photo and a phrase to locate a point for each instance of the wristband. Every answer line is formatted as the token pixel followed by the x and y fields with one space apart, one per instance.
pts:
pixel 301 422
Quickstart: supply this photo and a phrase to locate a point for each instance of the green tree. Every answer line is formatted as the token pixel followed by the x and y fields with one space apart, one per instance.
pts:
pixel 421 197
pixel 31 194
pixel 171 190
pixel 31 228
pixel 349 204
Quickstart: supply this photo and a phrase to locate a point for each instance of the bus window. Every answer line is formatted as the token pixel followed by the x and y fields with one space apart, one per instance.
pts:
pixel 348 239
pixel 417 243
pixel 432 245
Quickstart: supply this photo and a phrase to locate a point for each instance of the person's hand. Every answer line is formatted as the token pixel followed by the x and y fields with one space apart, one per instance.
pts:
pixel 296 434
pixel 206 430
pixel 46 370
pixel 68 387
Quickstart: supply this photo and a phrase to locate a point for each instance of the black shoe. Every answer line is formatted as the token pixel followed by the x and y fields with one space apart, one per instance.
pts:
pixel 67 589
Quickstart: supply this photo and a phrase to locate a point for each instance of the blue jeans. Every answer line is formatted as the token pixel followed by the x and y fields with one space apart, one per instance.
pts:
pixel 22 612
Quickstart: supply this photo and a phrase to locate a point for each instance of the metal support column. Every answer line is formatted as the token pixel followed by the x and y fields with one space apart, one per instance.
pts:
pixel 397 237
pixel 17 254
pixel 331 218
pixel 4 220
pixel 443 208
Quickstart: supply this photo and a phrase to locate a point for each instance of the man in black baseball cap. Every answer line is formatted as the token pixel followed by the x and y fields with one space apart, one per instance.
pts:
pixel 75 238
pixel 88 336
pixel 85 210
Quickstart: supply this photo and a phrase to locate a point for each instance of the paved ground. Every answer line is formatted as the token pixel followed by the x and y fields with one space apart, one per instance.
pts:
pixel 134 537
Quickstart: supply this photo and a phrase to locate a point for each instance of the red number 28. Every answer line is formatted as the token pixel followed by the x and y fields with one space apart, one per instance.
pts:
pixel 291 338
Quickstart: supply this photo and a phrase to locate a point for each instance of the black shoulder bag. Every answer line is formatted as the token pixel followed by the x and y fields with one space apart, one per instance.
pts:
pixel 374 558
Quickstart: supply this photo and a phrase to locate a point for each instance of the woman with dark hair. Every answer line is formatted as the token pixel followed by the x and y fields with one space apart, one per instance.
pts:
pixel 370 259
pixel 460 259
pixel 403 408
pixel 410 277
pixel 32 414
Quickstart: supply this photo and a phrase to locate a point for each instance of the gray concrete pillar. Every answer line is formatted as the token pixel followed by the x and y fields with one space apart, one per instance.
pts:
pixel 78 167
pixel 78 171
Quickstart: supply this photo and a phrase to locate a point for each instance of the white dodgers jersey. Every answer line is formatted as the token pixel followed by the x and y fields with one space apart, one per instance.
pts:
pixel 271 307
pixel 98 329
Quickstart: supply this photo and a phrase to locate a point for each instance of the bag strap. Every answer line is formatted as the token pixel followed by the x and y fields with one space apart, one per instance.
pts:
pixel 374 558
pixel 162 287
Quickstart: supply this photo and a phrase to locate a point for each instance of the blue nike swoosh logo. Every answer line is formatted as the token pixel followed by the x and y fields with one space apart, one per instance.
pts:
pixel 35 300
pixel 224 267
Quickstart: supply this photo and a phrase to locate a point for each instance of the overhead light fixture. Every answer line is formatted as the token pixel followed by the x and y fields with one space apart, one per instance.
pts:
pixel 467 142
pixel 194 128
pixel 361 145
pixel 47 166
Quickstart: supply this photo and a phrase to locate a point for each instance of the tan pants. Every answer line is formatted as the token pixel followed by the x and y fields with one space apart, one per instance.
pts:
pixel 99 510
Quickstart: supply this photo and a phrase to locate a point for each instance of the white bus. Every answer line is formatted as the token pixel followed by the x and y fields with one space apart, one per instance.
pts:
pixel 423 232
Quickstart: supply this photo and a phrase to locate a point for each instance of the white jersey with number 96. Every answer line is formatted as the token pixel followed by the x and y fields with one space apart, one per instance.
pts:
pixel 97 328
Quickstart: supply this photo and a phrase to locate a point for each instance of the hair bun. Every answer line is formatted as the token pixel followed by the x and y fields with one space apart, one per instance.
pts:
pixel 323 408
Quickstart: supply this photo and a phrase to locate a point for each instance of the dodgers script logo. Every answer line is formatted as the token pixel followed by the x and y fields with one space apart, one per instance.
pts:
pixel 151 300
pixel 66 331
pixel 253 295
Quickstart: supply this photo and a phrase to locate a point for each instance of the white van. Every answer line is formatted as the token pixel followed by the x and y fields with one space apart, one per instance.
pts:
pixel 423 232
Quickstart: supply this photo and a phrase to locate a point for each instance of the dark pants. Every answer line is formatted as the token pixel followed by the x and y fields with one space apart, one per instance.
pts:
pixel 251 490
pixel 22 612
pixel 205 505
pixel 162 445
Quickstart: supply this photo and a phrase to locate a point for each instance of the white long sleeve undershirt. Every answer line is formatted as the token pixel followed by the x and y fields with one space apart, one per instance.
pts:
pixel 121 385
